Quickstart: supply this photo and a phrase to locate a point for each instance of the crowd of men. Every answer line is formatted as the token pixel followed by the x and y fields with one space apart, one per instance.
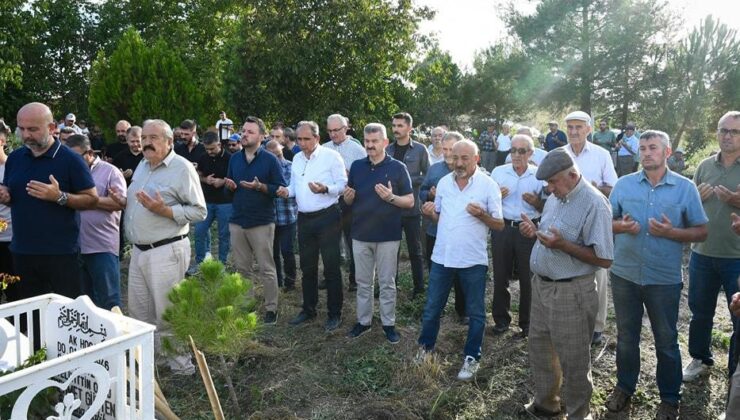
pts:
pixel 566 222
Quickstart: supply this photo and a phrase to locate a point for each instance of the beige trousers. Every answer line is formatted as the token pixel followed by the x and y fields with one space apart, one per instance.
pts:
pixel 255 243
pixel 602 287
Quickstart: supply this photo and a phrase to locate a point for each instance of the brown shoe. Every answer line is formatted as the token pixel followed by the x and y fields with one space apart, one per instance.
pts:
pixel 618 400
pixel 667 411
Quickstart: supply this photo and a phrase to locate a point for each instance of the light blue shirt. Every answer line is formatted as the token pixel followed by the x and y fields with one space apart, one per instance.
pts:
pixel 643 258
pixel 633 143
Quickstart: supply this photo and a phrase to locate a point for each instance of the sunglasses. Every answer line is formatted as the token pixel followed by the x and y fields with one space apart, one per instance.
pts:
pixel 521 151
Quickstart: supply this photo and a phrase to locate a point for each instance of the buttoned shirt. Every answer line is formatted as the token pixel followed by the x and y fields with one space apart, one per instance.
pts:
pixel 504 142
pixel 537 156
pixel 583 217
pixel 646 259
pixel 513 204
pixel 324 166
pixel 99 229
pixel 177 182
pixel 485 141
pixel 633 144
pixel 595 164
pixel 462 238
pixel 605 139
pixel 349 150
pixel 721 240
pixel 434 158
pixel 435 173
pixel 553 141
pixel 286 211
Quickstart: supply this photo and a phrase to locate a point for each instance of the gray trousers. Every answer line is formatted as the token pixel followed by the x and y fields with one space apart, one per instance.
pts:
pixel 488 159
pixel 371 257
pixel 560 329
pixel 733 404
pixel 602 287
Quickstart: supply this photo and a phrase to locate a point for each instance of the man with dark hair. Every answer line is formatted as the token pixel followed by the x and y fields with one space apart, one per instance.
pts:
pixel 190 148
pixel 66 133
pixel 212 168
pixel 129 159
pixel 416 158
pixel 286 215
pixel 290 143
pixel 99 229
pixel 224 126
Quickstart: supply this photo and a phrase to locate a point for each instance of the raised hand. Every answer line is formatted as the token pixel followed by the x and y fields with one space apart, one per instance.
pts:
pixel 475 209
pixel 428 209
pixel 117 196
pixel 318 188
pixel 735 223
pixel 727 196
pixel 662 229
pixel 255 184
pixel 527 227
pixel 385 193
pixel 154 204
pixel 705 191
pixel 630 225
pixel 282 192
pixel 349 194
pixel 48 192
pixel 552 238
pixel 230 184
pixel 504 192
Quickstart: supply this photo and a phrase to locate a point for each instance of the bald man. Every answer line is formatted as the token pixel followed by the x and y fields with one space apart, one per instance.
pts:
pixel 45 183
pixel 121 145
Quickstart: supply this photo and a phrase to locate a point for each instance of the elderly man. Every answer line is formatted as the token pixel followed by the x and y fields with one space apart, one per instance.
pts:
pixel 555 137
pixel 378 188
pixel 520 192
pixel 503 142
pixel 655 212
pixel 351 151
pixel 164 198
pixel 129 159
pixel 69 122
pixel 538 154
pixel 574 240
pixel 317 179
pixel 595 164
pixel 416 158
pixel 488 144
pixel 99 229
pixel 466 205
pixel 435 148
pixel 286 215
pixel 190 148
pixel 715 263
pixel 45 184
pixel 254 175
pixel 627 151
pixel 122 144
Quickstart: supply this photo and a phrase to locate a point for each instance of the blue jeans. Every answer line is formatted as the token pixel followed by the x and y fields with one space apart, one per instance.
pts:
pixel 222 213
pixel 282 245
pixel 101 278
pixel 661 302
pixel 706 276
pixel 473 282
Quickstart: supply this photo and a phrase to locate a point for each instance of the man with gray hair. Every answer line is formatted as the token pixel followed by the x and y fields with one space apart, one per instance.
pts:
pixel 574 239
pixel 503 143
pixel 655 212
pixel 435 148
pixel 164 198
pixel 378 188
pixel 350 150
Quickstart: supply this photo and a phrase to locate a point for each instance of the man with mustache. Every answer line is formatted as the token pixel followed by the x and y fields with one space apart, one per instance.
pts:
pixel 655 212
pixel 164 198
pixel 45 184
pixel 114 149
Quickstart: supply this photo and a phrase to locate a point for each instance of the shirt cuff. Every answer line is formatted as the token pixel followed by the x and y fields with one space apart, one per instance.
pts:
pixel 178 213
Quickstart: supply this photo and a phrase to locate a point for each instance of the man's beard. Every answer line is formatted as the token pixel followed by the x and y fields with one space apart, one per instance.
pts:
pixel 121 139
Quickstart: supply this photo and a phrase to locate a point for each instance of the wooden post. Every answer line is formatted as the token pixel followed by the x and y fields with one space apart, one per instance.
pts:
pixel 205 373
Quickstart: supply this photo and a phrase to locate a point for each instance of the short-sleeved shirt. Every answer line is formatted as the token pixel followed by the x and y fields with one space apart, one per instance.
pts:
pixel 646 259
pixel 606 139
pixel 250 207
pixel 216 166
pixel 504 142
pixel 583 217
pixel 721 241
pixel 127 160
pixel 44 227
pixel 114 149
pixel 99 229
pixel 374 219
pixel 595 164
pixel 349 150
pixel 462 238
pixel 485 142
pixel 513 204
pixel 553 141
pixel 633 143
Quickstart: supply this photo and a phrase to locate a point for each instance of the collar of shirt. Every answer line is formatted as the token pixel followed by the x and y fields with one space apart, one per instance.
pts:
pixel 166 161
pixel 586 148
pixel 669 178
pixel 385 160
pixel 581 183
pixel 50 153
pixel 718 160
pixel 95 163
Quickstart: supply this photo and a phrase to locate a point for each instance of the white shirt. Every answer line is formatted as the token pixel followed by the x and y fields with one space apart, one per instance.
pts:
pixel 536 158
pixel 434 158
pixel 595 163
pixel 633 143
pixel 324 166
pixel 349 150
pixel 225 132
pixel 462 239
pixel 513 204
pixel 504 142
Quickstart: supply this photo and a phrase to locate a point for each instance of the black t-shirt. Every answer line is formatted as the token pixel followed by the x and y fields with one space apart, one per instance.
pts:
pixel 288 154
pixel 127 160
pixel 400 152
pixel 216 166
pixel 114 149
pixel 192 155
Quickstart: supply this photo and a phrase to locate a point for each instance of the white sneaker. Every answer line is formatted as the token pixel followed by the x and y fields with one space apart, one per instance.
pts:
pixel 422 355
pixel 694 369
pixel 468 369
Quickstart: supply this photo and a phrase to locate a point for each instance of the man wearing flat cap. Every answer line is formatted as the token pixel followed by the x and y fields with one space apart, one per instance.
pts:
pixel 555 138
pixel 574 240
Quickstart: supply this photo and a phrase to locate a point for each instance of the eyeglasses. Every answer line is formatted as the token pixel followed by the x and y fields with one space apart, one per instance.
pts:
pixel 734 132
pixel 521 151
pixel 336 130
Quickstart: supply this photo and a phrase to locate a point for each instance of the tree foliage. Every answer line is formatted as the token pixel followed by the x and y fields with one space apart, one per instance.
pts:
pixel 435 98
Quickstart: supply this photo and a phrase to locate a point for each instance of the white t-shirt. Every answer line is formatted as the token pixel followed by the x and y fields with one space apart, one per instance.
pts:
pixel 504 142
pixel 225 132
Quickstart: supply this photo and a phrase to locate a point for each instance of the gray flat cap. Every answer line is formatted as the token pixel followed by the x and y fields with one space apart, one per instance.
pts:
pixel 555 161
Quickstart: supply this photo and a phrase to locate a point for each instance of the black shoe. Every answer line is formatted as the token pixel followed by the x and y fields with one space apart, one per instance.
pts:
pixel 301 318
pixel 358 330
pixel 391 334
pixel 270 318
pixel 289 287
pixel 332 323
pixel 597 338
pixel 521 335
pixel 499 329
pixel 417 293
pixel 463 320
pixel 322 285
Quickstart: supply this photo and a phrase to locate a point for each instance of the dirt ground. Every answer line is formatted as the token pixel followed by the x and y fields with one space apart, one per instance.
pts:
pixel 305 373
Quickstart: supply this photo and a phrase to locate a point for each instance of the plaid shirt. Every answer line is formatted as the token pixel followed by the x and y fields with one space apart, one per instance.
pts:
pixel 485 142
pixel 286 210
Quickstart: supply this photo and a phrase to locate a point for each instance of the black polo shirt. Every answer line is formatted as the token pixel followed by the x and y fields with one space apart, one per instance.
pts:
pixel 216 166
pixel 114 149
pixel 192 155
pixel 127 160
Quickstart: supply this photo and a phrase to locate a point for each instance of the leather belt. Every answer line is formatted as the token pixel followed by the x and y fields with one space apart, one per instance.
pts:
pixel 147 247
pixel 548 279
pixel 319 212
pixel 516 223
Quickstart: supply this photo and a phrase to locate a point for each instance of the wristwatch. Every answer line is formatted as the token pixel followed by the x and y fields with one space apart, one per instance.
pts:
pixel 62 200
pixel 393 198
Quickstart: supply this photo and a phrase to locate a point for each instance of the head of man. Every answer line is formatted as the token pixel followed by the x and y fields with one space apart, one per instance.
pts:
pixel 188 130
pixel 524 130
pixel 234 145
pixel 133 139
pixel 277 134
pixel 35 122
pixel 728 133
pixel 176 134
pixel 402 125
pixel 465 157
pixel 449 140
pixel 289 135
pixel 307 136
pixel 253 131
pixel 211 143
pixel 4 133
pixel 522 147
pixel 55 130
pixel 376 139
pixel 437 134
pixel 121 129
pixel 69 120
pixel 80 144
pixel 65 134
pixel 629 130
pixel 553 125
pixel 603 126
pixel 156 141
pixel 506 128
pixel 578 125
pixel 490 128
pixel 560 172
pixel 336 126
pixel 655 147
pixel 275 147
pixel 222 115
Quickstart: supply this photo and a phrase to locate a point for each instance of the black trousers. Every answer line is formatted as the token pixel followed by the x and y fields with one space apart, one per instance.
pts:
pixel 459 294
pixel 346 226
pixel 501 157
pixel 412 232
pixel 319 234
pixel 507 247
pixel 282 245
